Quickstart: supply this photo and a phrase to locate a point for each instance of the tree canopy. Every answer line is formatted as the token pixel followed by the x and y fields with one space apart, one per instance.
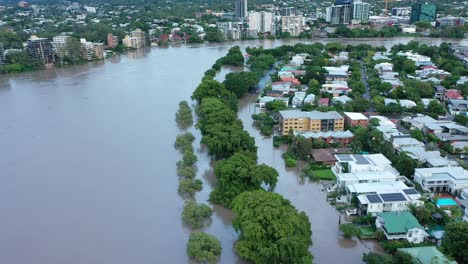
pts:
pixel 195 214
pixel 240 82
pixel 204 247
pixel 270 229
pixel 455 241
pixel 238 174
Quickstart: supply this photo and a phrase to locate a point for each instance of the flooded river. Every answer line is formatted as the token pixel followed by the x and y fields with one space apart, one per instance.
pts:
pixel 88 163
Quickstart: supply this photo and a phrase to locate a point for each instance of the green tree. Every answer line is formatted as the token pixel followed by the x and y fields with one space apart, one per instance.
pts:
pixel 314 87
pixel 405 165
pixel 461 119
pixel 455 241
pixel 209 88
pixel 189 186
pixel 350 230
pixel 417 134
pixel 184 117
pixel 234 57
pixel 375 258
pixel 204 247
pixel 276 106
pixel 240 82
pixel 238 174
pixel 214 35
pixel 436 108
pixel 270 229
pixel 73 50
pixel 195 214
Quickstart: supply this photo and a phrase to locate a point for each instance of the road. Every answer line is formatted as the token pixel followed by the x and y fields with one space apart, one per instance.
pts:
pixel 366 95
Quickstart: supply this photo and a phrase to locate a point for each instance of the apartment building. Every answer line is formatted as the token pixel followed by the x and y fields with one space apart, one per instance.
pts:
pixel 112 41
pixel 41 50
pixel 292 24
pixel 136 40
pixel 60 43
pixel 314 121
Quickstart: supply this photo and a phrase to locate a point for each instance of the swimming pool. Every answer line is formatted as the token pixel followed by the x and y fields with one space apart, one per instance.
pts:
pixel 444 202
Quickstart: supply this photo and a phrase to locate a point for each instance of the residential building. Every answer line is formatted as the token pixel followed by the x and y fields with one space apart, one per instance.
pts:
pixel 112 41
pixel 98 49
pixel 387 127
pixel 240 8
pixel 60 43
pixel 292 25
pixel 41 50
pixel 423 12
pixel 457 107
pixel 341 137
pixel 262 22
pixel 2 55
pixel 427 255
pixel 401 11
pixel 400 225
pixel 88 49
pixel 381 197
pixel 440 92
pixel 136 40
pixel 336 88
pixel 453 94
pixel 338 14
pixel 450 21
pixel 288 11
pixel 262 101
pixel 400 142
pixel 359 11
pixel 314 121
pixel 327 156
pixel 355 119
pixel 370 168
pixel 443 179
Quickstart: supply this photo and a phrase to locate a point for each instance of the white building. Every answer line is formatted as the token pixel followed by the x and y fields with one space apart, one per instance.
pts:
pixel 388 200
pixel 359 11
pixel 399 142
pixel 400 225
pixel 60 43
pixel 292 25
pixel 262 21
pixel 371 168
pixel 442 179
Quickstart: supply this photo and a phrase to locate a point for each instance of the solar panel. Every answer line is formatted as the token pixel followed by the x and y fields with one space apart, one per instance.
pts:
pixel 410 191
pixel 361 159
pixel 373 198
pixel 342 157
pixel 392 197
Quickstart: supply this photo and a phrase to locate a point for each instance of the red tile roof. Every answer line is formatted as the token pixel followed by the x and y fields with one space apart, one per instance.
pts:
pixel 324 101
pixel 292 80
pixel 453 94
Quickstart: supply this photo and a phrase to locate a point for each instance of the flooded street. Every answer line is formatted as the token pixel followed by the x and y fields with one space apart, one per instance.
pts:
pixel 89 167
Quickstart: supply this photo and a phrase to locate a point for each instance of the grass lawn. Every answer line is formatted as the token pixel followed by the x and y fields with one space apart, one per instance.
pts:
pixel 366 231
pixel 326 174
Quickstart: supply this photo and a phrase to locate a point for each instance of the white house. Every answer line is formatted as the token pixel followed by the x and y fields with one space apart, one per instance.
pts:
pixel 352 169
pixel 442 179
pixel 399 142
pixel 388 201
pixel 400 225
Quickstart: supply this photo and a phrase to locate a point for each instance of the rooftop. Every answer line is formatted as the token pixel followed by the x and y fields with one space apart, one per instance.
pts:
pixel 427 255
pixel 288 114
pixel 327 155
pixel 355 116
pixel 442 173
pixel 399 222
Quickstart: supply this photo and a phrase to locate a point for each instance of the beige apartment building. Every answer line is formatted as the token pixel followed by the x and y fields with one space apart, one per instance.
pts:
pixel 314 121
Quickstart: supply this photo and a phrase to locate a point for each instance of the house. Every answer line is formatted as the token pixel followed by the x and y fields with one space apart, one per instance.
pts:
pixel 400 225
pixel 427 255
pixel 442 179
pixel 387 201
pixel 453 94
pixel 309 99
pixel 343 99
pixel 293 81
pixel 336 88
pixel 324 102
pixel 457 107
pixel 355 119
pixel 314 121
pixel 281 86
pixel 403 102
pixel 387 127
pixel 419 121
pixel 399 142
pixel 352 169
pixel 430 158
pixel 384 67
pixel 327 156
pixel 462 80
pixel 262 101
pixel 340 137
pixel 298 99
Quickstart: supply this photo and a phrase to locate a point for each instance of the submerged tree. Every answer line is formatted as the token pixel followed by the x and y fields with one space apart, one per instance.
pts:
pixel 204 247
pixel 270 229
pixel 184 117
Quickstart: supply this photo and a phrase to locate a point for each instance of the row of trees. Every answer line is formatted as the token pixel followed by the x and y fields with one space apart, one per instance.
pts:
pixel 201 246
pixel 270 229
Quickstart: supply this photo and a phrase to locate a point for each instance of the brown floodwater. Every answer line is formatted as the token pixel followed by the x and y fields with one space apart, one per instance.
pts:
pixel 88 163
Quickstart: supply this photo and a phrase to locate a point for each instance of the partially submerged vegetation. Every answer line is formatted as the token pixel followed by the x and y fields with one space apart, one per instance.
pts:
pixel 184 116
pixel 204 247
